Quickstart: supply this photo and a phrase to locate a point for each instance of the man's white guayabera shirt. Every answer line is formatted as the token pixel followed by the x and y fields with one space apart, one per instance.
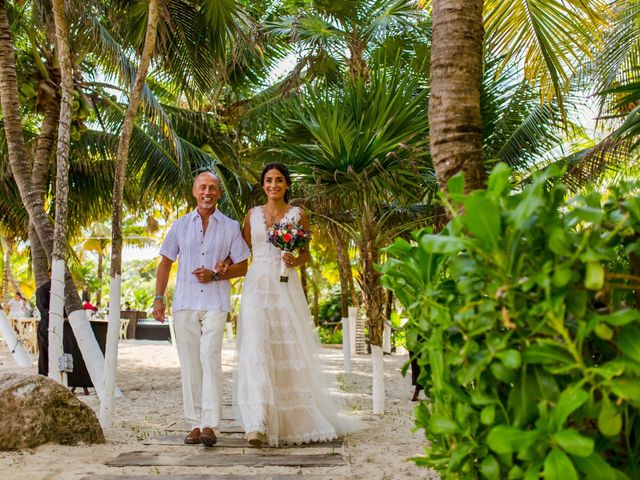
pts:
pixel 197 249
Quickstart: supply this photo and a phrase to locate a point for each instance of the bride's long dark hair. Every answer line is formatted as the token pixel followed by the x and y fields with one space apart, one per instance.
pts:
pixel 282 168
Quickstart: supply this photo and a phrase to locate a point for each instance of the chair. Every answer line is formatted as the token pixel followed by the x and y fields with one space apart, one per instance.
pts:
pixel 27 332
pixel 124 325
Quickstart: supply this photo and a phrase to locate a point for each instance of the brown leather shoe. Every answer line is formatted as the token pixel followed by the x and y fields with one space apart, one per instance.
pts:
pixel 194 437
pixel 208 437
pixel 256 439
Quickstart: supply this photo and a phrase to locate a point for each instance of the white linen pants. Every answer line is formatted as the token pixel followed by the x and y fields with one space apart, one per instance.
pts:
pixel 199 342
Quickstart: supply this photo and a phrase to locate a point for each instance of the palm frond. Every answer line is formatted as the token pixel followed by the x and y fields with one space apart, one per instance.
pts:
pixel 551 38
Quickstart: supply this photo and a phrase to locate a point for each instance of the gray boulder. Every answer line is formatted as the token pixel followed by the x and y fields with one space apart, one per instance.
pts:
pixel 35 410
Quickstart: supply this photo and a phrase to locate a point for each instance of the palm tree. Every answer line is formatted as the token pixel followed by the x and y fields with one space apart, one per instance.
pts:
pixel 33 202
pixel 455 121
pixel 58 263
pixel 135 96
pixel 365 141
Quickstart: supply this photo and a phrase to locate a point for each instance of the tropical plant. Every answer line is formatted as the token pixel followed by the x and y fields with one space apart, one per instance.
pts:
pixel 362 144
pixel 528 326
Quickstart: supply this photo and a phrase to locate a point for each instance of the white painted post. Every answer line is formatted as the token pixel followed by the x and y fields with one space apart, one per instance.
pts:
pixel 20 354
pixel 377 362
pixel 386 338
pixel 346 344
pixel 353 320
pixel 56 320
pixel 111 353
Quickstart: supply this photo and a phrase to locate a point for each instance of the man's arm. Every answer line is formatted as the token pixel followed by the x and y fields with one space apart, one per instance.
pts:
pixel 162 278
pixel 234 270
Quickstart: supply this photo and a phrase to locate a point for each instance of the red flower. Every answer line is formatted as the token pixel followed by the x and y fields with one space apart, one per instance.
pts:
pixel 287 237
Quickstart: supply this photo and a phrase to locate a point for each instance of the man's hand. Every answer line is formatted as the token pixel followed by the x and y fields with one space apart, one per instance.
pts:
pixel 158 310
pixel 204 275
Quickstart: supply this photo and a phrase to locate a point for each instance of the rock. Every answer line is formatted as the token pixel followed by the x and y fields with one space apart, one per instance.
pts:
pixel 37 410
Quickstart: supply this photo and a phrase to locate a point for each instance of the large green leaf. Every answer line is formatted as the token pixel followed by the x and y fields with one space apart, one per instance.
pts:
pixel 574 443
pixel 558 466
pixel 505 439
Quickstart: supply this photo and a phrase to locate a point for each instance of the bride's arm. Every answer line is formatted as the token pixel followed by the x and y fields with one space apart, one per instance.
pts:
pixel 246 229
pixel 303 255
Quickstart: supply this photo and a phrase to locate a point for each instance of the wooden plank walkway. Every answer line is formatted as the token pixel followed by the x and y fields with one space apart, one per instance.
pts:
pixel 234 442
pixel 209 458
pixel 203 477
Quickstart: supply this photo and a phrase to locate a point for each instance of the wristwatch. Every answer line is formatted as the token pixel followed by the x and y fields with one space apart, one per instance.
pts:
pixel 215 276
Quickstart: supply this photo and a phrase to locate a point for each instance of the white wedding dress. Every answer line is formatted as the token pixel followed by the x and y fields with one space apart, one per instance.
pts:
pixel 280 389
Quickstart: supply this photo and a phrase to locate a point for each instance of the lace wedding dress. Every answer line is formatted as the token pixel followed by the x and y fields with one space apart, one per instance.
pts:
pixel 280 389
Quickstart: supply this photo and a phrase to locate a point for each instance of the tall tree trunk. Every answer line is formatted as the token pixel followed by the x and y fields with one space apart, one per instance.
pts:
pixel 100 275
pixel 7 247
pixel 344 269
pixel 304 281
pixel 4 287
pixel 38 257
pixel 454 105
pixel 111 357
pixel 21 171
pixel 316 295
pixel 40 179
pixel 374 300
pixel 58 266
pixel 346 289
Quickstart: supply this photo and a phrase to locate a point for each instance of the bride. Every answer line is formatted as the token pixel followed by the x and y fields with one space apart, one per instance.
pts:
pixel 281 394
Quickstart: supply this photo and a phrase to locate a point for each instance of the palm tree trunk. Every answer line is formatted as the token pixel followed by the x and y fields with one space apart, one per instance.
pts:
pixel 454 105
pixel 21 171
pixel 7 274
pixel 44 147
pixel 374 300
pixel 58 267
pixel 40 177
pixel 38 257
pixel 100 274
pixel 304 281
pixel 344 269
pixel 7 247
pixel 4 287
pixel 316 295
pixel 111 357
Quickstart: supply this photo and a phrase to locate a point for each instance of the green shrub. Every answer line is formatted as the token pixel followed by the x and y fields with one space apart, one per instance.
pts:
pixel 329 335
pixel 529 336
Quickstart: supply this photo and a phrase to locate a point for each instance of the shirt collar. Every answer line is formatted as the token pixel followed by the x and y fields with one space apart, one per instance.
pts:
pixel 217 214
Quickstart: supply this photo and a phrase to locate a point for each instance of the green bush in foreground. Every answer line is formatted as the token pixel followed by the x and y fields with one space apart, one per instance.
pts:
pixel 530 333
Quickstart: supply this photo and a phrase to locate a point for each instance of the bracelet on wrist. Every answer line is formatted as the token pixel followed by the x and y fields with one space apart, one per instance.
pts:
pixel 158 297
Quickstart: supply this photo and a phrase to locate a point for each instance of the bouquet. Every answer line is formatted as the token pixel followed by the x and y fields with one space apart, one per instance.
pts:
pixel 288 237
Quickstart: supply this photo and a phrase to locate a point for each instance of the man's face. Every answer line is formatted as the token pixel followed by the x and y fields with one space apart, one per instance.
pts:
pixel 207 191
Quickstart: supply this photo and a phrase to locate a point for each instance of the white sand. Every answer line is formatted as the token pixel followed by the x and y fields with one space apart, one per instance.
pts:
pixel 148 374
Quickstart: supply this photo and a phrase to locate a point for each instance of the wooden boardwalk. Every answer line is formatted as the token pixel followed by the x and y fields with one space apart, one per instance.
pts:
pixel 171 459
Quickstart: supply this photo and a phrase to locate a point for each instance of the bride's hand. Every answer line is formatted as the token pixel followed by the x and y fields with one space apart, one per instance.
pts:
pixel 288 259
pixel 221 267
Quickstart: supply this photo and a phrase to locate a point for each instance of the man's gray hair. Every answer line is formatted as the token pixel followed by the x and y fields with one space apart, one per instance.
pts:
pixel 207 172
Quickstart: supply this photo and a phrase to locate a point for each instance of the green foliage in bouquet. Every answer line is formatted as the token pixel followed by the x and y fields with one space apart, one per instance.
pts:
pixel 524 314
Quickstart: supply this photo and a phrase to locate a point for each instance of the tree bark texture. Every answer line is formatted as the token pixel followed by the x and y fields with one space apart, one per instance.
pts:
pixel 64 131
pixel 38 257
pixel 455 122
pixel 344 268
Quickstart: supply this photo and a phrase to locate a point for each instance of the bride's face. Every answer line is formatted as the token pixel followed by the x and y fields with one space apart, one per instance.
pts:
pixel 274 185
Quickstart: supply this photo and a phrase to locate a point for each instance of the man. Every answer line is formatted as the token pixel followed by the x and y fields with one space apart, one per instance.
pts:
pixel 203 239
pixel 43 294
pixel 79 377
